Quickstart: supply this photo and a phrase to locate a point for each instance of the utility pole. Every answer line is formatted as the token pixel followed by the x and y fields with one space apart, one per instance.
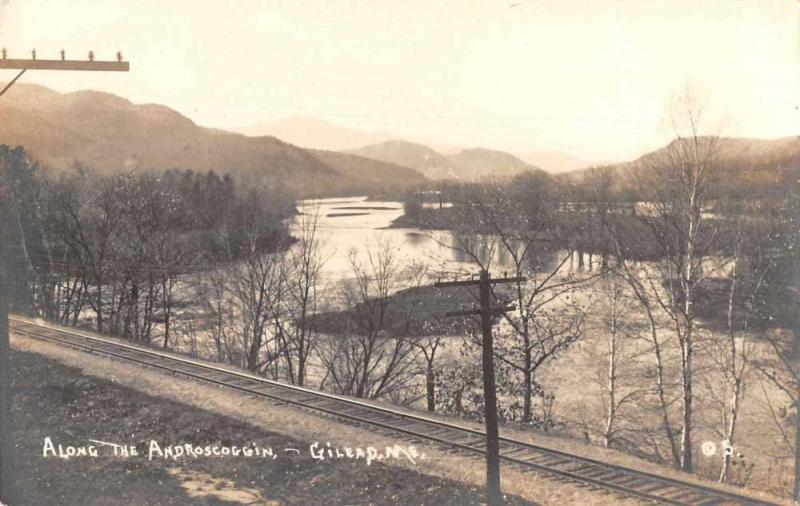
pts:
pixel 7 492
pixel 487 312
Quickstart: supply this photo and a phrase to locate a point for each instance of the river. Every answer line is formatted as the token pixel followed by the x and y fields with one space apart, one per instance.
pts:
pixel 360 226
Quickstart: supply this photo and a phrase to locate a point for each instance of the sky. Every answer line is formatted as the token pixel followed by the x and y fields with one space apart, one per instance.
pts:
pixel 590 77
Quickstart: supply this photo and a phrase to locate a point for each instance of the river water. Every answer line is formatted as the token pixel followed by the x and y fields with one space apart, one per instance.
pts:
pixel 357 226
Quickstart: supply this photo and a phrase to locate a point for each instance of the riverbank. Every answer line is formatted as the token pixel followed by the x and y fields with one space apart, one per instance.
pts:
pixel 432 221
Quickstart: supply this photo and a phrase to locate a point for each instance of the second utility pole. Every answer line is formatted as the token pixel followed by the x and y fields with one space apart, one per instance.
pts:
pixel 487 312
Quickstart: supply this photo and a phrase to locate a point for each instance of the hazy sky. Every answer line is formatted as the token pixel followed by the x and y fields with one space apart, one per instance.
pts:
pixel 591 77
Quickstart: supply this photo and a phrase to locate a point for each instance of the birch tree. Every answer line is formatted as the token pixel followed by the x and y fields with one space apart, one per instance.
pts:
pixel 619 374
pixel 676 184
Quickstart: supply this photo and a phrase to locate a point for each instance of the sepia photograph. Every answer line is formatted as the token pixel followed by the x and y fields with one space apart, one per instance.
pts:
pixel 399 252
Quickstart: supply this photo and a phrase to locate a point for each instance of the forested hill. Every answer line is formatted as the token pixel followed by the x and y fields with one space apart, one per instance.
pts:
pixel 467 165
pixel 426 160
pixel 370 176
pixel 109 134
pixel 477 163
pixel 765 166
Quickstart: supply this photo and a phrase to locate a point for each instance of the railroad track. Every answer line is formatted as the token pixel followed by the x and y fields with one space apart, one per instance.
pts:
pixel 648 487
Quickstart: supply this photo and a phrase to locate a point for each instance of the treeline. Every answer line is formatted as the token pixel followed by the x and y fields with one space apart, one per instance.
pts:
pixel 116 246
pixel 607 214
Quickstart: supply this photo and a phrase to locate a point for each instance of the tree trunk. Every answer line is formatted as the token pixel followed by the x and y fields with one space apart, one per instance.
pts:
pixel 78 307
pixel 166 329
pixel 166 294
pixel 255 346
pixel 527 372
pixel 301 365
pixel 99 309
pixel 430 383
pixel 527 408
pixel 737 382
pixel 796 493
pixel 688 281
pixel 730 431
pixel 686 433
pixel 612 379
pixel 662 396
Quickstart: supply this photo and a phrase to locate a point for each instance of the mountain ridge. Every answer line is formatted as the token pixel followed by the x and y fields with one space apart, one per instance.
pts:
pixel 313 133
pixel 419 157
pixel 109 133
pixel 472 164
pixel 748 166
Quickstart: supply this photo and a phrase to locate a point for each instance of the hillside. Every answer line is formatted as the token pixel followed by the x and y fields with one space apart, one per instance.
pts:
pixel 429 162
pixel 476 164
pixel 466 165
pixel 763 165
pixel 369 174
pixel 108 133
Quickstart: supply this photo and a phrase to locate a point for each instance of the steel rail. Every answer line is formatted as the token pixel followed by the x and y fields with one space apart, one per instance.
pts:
pixel 649 487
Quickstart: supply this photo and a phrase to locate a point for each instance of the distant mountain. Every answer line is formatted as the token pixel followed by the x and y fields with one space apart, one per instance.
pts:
pixel 554 162
pixel 110 134
pixel 477 163
pixel 425 160
pixel 316 134
pixel 466 165
pixel 368 175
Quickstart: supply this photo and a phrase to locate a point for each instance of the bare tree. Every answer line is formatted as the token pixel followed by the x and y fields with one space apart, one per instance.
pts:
pixel 422 318
pixel 216 307
pixel 676 185
pixel 367 357
pixel 71 287
pixel 618 371
pixel 639 280
pixel 522 223
pixel 256 288
pixel 428 346
pixel 24 183
pixel 302 280
pixel 91 222
pixel 749 268
pixel 256 283
pixel 784 373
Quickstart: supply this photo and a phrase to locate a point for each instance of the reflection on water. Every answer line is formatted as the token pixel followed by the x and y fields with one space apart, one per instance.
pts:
pixel 357 225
